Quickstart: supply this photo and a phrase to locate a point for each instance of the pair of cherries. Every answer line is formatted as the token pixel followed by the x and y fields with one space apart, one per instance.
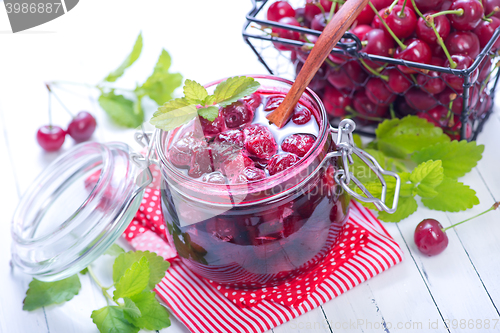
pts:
pixel 81 128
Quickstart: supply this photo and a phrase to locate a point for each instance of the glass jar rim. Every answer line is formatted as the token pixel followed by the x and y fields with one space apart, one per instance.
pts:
pixel 324 132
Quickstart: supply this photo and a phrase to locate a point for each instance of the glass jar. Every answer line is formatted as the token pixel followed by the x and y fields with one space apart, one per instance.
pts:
pixel 258 234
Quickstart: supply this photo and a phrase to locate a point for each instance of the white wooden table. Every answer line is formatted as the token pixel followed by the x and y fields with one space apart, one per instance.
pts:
pixel 462 285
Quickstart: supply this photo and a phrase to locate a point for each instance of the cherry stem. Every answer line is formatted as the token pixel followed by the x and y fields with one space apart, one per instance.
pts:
pixel 495 206
pixel 391 110
pixel 64 106
pixel 398 41
pixel 391 7
pixel 331 63
pixel 430 21
pixel 493 12
pixel 332 11
pixel 458 12
pixel 373 71
pixel 401 13
pixel 320 6
pixel 50 109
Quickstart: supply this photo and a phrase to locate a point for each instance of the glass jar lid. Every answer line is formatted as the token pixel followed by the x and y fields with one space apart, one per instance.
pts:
pixel 76 209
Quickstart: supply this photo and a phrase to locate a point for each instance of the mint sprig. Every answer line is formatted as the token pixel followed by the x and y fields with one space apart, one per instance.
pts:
pixel 135 307
pixel 428 163
pixel 197 102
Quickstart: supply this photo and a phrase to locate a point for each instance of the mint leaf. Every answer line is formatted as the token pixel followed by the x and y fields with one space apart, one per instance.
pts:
pixel 234 88
pixel 161 84
pixel 134 280
pixel 426 176
pixel 458 157
pixel 41 294
pixel 111 319
pixel 209 113
pixel 157 266
pixel 173 114
pixel 84 271
pixel 452 196
pixel 130 308
pixel 154 315
pixel 400 137
pixel 194 92
pixel 406 207
pixel 120 110
pixel 131 58
pixel 357 140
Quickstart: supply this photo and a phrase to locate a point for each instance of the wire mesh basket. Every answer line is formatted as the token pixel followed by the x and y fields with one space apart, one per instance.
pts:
pixel 465 97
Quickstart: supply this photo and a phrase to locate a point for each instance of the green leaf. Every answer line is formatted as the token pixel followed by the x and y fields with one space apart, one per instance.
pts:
pixel 41 293
pixel 400 137
pixel 120 110
pixel 357 140
pixel 154 315
pixel 157 266
pixel 452 196
pixel 111 319
pixel 194 92
pixel 114 250
pixel 161 84
pixel 426 176
pixel 234 88
pixel 134 280
pixel 130 308
pixel 174 114
pixel 131 58
pixel 84 271
pixel 406 207
pixel 209 113
pixel 458 157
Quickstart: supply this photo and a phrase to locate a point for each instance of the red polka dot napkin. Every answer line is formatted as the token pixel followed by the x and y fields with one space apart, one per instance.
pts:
pixel 363 250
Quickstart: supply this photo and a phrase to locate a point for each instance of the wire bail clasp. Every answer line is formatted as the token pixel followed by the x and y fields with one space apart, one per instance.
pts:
pixel 343 177
pixel 145 177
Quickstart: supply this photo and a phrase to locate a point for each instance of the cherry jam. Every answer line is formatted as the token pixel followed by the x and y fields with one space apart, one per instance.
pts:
pixel 247 204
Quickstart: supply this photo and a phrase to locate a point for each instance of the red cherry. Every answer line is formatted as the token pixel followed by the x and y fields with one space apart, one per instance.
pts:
pixel 259 142
pixel 347 76
pixel 402 26
pixel 280 9
pixel 365 107
pixel 378 43
pixel 398 82
pixel 360 31
pixel 50 138
pixel 463 62
pixel 426 5
pixel 311 10
pixel 237 114
pixel 319 22
pixel 485 30
pixel 82 126
pixel 484 69
pixel 489 7
pixel 472 14
pixel 286 33
pixel 426 33
pixel 365 16
pixel 377 92
pixel 463 42
pixel 446 96
pixel 432 81
pixel 430 237
pixel 335 101
pixel 416 50
pixel 281 162
pixel 420 100
pixel 298 144
pixel 301 115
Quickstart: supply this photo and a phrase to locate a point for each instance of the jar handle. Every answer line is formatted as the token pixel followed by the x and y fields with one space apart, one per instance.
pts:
pixel 145 177
pixel 345 149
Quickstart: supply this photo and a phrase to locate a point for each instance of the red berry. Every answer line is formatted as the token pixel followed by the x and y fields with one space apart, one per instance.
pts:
pixel 253 100
pixel 280 9
pixel 281 162
pixel 464 43
pixel 211 128
pixel 426 33
pixel 472 14
pixel 377 92
pixel 82 126
pixel 301 115
pixel 50 138
pixel 335 101
pixel 398 82
pixel 416 50
pixel 426 5
pixel 360 31
pixel 319 22
pixel 348 76
pixel 489 7
pixel 273 102
pixel 432 81
pixel 485 30
pixel 430 237
pixel 463 62
pixel 420 100
pixel 201 162
pixel 237 114
pixel 286 33
pixel 365 107
pixel 311 10
pixel 259 142
pixel 298 144
pixel 250 174
pixel 402 26
pixel 378 43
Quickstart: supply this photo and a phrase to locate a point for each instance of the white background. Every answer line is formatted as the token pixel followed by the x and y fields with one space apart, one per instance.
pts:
pixel 204 39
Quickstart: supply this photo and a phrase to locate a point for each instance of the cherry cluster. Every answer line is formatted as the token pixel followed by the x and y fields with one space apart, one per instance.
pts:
pixel 443 33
